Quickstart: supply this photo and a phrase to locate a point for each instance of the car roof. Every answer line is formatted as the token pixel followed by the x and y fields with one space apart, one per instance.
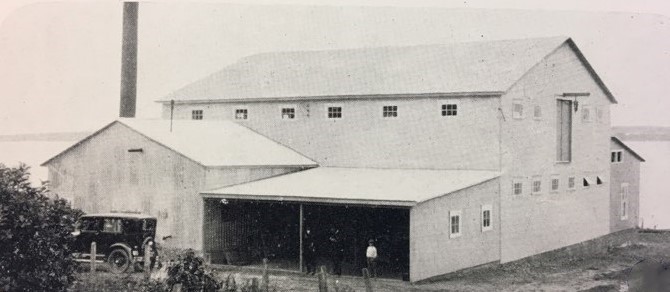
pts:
pixel 119 215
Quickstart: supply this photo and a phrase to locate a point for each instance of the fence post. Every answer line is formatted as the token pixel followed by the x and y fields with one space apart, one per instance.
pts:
pixel 366 278
pixel 254 284
pixel 147 261
pixel 265 284
pixel 323 280
pixel 94 257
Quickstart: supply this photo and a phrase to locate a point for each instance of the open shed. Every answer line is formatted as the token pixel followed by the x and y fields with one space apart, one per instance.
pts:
pixel 337 209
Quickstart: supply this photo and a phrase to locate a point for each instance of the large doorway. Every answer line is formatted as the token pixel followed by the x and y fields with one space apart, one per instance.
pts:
pixel 242 232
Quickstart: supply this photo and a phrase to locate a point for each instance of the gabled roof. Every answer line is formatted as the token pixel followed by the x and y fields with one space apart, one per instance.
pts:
pixel 630 150
pixel 364 186
pixel 474 68
pixel 211 143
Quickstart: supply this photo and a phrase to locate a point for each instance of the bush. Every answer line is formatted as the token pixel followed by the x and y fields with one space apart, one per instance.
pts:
pixel 35 235
pixel 189 271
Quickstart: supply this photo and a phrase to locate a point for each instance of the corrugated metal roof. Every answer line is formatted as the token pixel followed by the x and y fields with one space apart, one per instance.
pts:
pixel 398 187
pixel 474 67
pixel 213 143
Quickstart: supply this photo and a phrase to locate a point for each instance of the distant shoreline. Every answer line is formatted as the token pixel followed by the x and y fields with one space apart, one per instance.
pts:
pixel 46 137
pixel 627 133
pixel 642 133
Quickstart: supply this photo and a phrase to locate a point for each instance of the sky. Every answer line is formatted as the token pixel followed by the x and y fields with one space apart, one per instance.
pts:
pixel 60 61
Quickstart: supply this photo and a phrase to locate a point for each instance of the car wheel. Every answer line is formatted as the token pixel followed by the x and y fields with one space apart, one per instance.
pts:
pixel 119 261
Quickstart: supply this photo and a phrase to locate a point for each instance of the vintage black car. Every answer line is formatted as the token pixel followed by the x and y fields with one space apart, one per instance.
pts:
pixel 120 239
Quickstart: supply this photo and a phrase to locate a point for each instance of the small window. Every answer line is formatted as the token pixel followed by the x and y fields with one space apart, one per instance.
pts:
pixel 288 113
pixel 89 225
pixel 517 109
pixel 390 111
pixel 599 181
pixel 537 185
pixel 449 109
pixel 454 224
pixel 112 225
pixel 555 183
pixel 537 112
pixel 241 114
pixel 486 218
pixel 571 183
pixel 517 187
pixel 617 156
pixel 334 112
pixel 586 114
pixel 196 115
pixel 586 182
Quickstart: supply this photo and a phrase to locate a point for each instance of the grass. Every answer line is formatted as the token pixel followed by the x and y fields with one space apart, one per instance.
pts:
pixel 598 265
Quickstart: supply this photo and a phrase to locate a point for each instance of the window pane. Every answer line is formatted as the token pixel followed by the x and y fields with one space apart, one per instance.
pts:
pixel 288 113
pixel 112 225
pixel 449 109
pixel 518 188
pixel 486 216
pixel 517 110
pixel 455 224
pixel 335 112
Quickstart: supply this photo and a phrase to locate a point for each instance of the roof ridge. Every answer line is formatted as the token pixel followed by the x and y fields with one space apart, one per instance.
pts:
pixel 376 70
pixel 404 46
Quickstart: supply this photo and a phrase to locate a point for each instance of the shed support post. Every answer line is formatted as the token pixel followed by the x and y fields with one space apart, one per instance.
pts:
pixel 301 233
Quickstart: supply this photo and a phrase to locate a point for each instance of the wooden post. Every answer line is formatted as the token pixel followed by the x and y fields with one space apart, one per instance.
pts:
pixel 301 240
pixel 254 285
pixel 94 256
pixel 147 261
pixel 366 278
pixel 265 282
pixel 323 280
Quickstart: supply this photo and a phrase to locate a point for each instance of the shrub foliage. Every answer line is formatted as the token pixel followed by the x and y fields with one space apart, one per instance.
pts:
pixel 189 271
pixel 35 235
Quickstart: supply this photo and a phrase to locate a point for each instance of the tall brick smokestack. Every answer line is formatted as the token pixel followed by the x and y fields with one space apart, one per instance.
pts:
pixel 129 61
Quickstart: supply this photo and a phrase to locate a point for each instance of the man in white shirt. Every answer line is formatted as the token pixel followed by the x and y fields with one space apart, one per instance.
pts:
pixel 371 254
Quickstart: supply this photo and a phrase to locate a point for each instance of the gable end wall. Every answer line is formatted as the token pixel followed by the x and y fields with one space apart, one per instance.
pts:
pixel 535 223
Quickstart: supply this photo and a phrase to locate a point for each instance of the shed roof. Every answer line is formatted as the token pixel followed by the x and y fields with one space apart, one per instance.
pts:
pixel 630 150
pixel 364 186
pixel 119 215
pixel 473 68
pixel 212 143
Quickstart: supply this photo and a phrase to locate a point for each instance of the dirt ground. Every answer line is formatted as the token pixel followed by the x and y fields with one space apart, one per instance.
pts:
pixel 604 268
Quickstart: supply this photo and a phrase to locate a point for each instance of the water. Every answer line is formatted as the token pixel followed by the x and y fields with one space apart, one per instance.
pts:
pixel 654 194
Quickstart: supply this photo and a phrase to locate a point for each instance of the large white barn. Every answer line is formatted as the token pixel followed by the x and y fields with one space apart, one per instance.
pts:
pixel 449 156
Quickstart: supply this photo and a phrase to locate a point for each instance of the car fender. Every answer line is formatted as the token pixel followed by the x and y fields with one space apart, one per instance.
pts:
pixel 125 247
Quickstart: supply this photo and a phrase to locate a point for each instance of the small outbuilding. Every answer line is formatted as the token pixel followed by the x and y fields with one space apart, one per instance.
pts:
pixel 624 187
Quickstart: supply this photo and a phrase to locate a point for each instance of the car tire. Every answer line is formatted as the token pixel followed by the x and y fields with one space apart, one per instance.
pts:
pixel 119 261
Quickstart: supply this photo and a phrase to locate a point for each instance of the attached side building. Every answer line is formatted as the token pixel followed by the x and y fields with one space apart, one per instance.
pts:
pixel 143 166
pixel 624 186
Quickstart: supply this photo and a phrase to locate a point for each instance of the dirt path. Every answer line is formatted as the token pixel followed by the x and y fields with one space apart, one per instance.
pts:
pixel 601 270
